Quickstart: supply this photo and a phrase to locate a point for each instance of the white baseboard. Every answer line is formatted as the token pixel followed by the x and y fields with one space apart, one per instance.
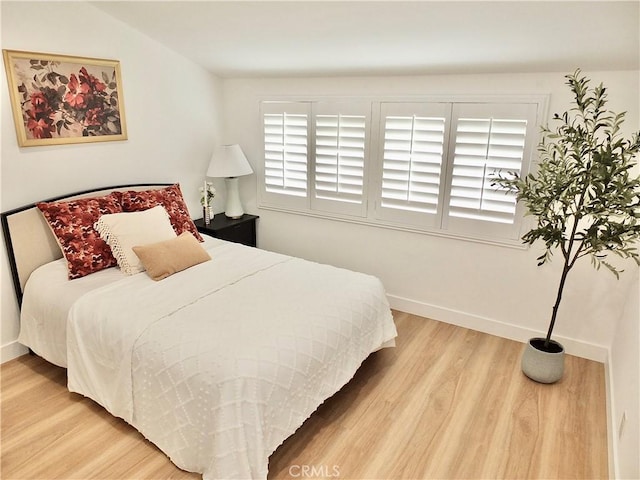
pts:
pixel 612 437
pixel 12 350
pixel 578 348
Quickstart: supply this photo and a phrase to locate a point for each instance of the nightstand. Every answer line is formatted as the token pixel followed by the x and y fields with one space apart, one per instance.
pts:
pixel 239 230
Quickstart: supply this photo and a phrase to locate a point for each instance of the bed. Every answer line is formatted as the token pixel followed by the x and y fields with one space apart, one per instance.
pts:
pixel 218 362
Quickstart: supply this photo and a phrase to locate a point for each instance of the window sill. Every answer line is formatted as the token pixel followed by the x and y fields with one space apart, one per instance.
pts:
pixel 515 244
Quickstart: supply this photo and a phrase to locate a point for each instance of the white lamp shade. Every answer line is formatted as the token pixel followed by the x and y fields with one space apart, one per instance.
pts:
pixel 228 161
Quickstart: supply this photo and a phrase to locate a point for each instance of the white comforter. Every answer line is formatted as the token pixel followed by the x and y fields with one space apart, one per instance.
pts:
pixel 219 364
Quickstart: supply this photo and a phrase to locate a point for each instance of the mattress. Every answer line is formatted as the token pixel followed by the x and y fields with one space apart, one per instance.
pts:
pixel 219 364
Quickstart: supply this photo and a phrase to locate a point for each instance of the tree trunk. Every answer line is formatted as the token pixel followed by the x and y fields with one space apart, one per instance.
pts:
pixel 554 314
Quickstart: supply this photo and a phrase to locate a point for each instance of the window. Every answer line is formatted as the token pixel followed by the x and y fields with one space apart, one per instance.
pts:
pixel 418 165
pixel 484 146
pixel 341 147
pixel 336 134
pixel 286 150
pixel 340 142
pixel 412 142
pixel 486 139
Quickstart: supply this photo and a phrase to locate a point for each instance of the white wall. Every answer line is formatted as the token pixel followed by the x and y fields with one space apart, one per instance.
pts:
pixel 624 382
pixel 452 280
pixel 624 371
pixel 172 108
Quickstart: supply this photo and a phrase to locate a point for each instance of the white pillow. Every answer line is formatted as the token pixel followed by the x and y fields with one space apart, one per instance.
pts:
pixel 123 231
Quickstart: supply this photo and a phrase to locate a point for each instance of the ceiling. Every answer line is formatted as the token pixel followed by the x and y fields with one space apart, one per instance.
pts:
pixel 328 38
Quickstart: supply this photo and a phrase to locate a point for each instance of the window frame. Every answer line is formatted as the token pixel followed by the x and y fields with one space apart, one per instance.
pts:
pixel 373 167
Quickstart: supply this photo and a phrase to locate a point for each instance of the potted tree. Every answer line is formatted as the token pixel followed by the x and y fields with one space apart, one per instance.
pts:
pixel 585 198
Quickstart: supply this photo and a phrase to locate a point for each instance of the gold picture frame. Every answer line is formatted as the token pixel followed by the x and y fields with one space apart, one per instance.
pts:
pixel 62 99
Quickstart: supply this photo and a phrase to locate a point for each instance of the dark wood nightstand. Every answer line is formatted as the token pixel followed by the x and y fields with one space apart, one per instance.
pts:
pixel 239 230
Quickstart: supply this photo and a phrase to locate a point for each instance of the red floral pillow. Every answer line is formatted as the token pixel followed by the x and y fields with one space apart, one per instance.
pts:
pixel 172 201
pixel 72 224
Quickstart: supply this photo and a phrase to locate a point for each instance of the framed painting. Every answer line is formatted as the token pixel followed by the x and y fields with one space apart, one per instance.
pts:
pixel 60 99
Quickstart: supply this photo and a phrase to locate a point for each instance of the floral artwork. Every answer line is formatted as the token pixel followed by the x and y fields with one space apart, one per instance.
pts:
pixel 61 99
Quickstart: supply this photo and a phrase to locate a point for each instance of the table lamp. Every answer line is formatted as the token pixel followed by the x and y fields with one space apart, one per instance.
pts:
pixel 229 162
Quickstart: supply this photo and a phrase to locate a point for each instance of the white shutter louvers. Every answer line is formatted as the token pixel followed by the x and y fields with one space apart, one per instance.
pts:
pixel 339 159
pixel 285 151
pixel 484 146
pixel 413 148
pixel 424 166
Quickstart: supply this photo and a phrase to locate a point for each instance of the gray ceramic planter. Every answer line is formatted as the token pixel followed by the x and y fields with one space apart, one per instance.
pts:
pixel 540 365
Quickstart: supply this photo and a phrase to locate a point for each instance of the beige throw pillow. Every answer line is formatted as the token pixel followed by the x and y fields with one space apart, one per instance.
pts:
pixel 170 256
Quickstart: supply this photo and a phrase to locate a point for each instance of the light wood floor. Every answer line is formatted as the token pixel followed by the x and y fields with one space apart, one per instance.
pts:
pixel 446 403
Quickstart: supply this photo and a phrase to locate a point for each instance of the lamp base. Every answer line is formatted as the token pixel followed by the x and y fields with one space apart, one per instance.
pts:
pixel 233 207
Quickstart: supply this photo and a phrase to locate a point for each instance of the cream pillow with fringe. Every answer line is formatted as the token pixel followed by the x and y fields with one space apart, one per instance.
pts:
pixel 123 231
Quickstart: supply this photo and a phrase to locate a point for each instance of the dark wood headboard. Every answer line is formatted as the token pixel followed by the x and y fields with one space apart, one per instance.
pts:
pixel 29 240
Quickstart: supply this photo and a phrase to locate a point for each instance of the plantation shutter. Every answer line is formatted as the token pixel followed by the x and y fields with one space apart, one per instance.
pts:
pixel 424 165
pixel 341 146
pixel 286 152
pixel 413 141
pixel 487 139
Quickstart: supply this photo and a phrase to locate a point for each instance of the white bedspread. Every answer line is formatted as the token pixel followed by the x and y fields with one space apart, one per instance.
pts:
pixel 219 364
pixel 48 296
